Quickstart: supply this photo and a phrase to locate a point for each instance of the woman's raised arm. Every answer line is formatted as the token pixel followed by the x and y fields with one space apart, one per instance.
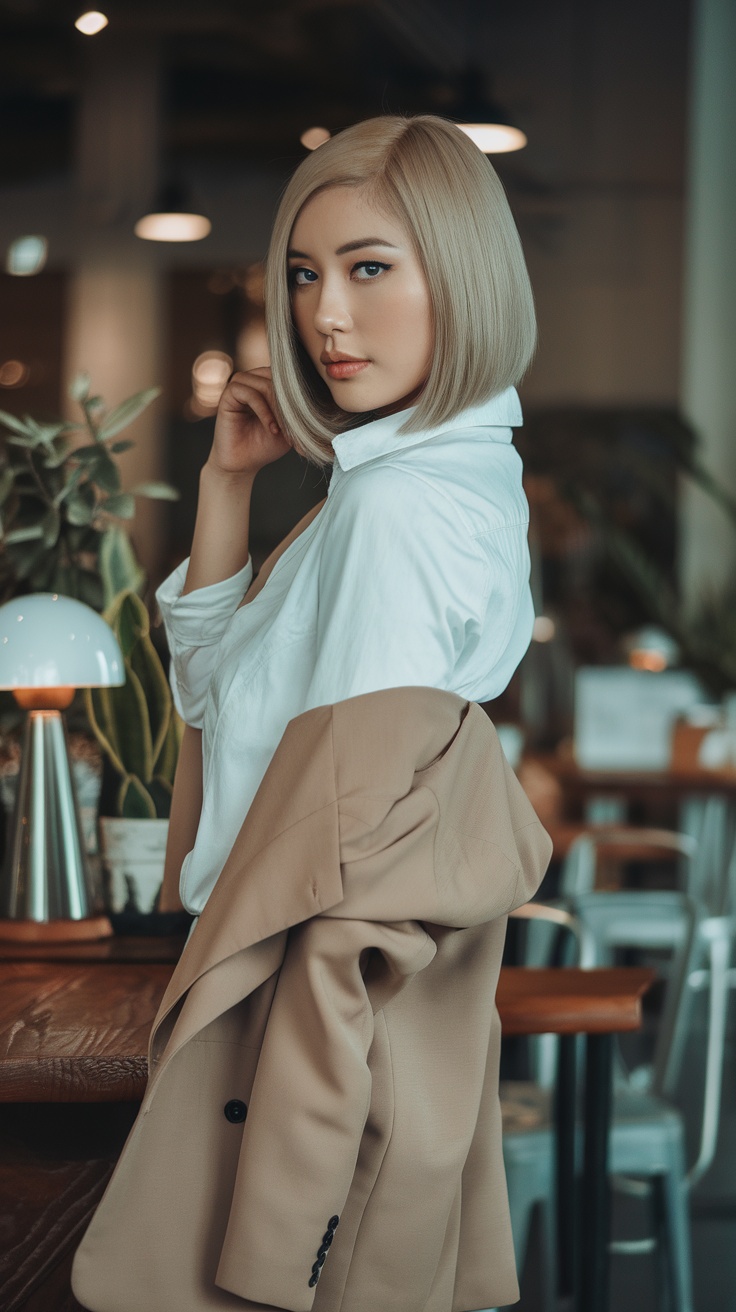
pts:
pixel 247 437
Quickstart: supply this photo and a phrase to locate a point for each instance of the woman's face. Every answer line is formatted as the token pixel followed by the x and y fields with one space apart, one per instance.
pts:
pixel 358 290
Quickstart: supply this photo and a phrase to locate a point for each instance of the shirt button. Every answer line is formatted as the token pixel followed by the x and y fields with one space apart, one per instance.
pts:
pixel 333 1222
pixel 235 1111
pixel 313 1280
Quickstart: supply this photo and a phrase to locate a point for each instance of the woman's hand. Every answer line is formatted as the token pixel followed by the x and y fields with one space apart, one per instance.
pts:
pixel 247 434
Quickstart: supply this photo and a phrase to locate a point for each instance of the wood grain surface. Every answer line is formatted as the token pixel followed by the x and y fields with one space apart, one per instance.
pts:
pixel 76 1032
pixel 54 1164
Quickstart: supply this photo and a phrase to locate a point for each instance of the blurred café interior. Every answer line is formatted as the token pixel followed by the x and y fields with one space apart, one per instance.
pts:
pixel 142 155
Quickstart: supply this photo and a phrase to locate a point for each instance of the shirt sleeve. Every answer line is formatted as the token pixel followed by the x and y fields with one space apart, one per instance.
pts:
pixel 194 625
pixel 402 587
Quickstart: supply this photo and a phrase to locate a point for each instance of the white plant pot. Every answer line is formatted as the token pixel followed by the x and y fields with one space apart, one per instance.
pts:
pixel 133 853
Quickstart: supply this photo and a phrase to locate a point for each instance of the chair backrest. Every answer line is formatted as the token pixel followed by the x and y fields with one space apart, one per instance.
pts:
pixel 712 822
pixel 578 871
pixel 701 948
pixel 706 968
pixel 542 942
pixel 546 918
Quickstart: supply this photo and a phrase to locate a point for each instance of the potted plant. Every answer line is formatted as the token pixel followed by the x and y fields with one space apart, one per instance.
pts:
pixel 140 732
pixel 63 528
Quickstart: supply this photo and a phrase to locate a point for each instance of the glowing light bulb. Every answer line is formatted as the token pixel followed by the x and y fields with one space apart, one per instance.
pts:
pixel 91 23
pixel 494 138
pixel 26 256
pixel 174 226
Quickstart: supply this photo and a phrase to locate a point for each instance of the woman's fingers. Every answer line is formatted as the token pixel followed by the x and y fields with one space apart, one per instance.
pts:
pixel 251 391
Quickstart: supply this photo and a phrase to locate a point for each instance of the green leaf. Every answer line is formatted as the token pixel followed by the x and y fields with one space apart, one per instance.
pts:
pixel 24 534
pixel 22 441
pixel 123 445
pixel 74 478
pixel 47 432
pixel 160 791
pixel 50 526
pixel 55 458
pixel 105 472
pixel 15 424
pixel 165 765
pixel 127 411
pixel 79 387
pixel 87 454
pixel 128 619
pixel 80 506
pixel 118 564
pixel 161 491
pixel 120 721
pixel 122 505
pixel 145 661
pixel 134 802
pixel 7 483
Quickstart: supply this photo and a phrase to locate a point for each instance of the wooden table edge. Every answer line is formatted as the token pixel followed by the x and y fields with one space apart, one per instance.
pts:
pixel 122 1076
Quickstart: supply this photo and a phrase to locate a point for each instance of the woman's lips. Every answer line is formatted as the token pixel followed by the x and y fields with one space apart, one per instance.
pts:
pixel 346 368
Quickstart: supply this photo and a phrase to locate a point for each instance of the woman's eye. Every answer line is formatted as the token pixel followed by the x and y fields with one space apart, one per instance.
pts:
pixel 301 277
pixel 371 267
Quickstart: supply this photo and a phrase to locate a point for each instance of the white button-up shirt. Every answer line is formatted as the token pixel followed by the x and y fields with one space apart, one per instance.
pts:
pixel 414 572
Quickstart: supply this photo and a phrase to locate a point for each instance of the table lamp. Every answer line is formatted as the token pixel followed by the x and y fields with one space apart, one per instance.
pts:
pixel 49 646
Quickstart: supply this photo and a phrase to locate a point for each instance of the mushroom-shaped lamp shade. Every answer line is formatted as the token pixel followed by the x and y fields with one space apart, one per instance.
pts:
pixel 50 641
pixel 49 646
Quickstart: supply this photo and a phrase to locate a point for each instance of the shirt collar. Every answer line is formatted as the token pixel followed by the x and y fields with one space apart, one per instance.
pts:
pixel 380 437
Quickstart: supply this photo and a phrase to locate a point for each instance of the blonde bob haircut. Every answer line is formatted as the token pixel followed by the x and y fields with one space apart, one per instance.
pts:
pixel 429 176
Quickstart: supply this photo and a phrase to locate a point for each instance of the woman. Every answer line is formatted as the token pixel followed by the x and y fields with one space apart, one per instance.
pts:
pixel 399 317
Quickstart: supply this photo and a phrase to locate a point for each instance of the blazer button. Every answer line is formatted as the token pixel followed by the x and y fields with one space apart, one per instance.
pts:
pixel 235 1111
pixel 333 1223
pixel 316 1268
pixel 313 1279
pixel 328 1237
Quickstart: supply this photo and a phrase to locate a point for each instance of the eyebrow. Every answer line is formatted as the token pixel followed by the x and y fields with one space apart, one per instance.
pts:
pixel 349 246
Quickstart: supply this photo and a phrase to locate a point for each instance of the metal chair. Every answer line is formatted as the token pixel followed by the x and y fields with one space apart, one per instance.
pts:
pixel 580 866
pixel 647 1131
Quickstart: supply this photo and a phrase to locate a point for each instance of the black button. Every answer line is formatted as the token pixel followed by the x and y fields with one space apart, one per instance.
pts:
pixel 333 1222
pixel 323 1250
pixel 328 1236
pixel 236 1111
pixel 316 1268
pixel 321 1257
pixel 313 1280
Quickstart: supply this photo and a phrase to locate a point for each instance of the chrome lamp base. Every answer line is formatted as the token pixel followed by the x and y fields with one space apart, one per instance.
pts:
pixel 47 890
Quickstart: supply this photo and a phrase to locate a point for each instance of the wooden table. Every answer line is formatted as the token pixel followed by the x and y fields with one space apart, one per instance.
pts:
pixel 58 1044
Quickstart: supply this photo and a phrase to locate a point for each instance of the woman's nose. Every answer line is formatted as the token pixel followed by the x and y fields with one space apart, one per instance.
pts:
pixel 332 312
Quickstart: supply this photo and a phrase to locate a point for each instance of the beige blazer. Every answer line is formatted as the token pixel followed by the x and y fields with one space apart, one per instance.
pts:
pixel 321 1127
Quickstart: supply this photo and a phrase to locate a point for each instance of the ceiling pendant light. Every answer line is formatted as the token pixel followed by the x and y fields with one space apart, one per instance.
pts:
pixel 482 119
pixel 172 219
pixel 91 22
